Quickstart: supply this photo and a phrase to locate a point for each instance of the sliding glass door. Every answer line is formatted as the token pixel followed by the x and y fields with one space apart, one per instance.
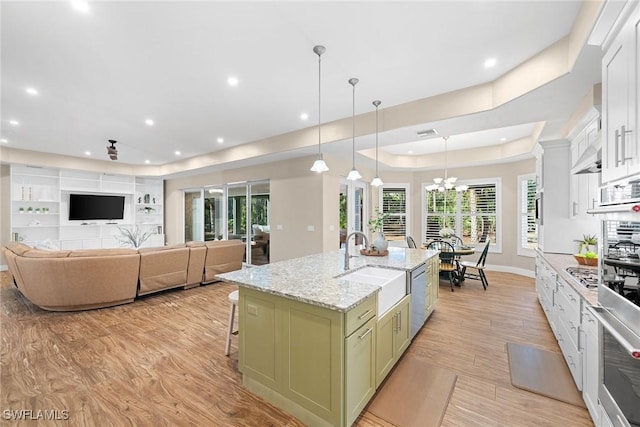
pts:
pixel 193 215
pixel 238 211
pixel 352 207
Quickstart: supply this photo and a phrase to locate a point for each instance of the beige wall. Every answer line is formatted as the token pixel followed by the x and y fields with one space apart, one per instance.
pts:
pixel 5 209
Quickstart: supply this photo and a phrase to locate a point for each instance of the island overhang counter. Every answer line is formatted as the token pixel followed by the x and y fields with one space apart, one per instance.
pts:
pixel 311 341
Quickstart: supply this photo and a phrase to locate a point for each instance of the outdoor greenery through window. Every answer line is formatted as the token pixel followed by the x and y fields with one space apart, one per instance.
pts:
pixel 528 227
pixel 394 203
pixel 472 214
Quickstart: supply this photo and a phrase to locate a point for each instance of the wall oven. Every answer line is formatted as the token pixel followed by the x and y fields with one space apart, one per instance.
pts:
pixel 619 390
pixel 618 310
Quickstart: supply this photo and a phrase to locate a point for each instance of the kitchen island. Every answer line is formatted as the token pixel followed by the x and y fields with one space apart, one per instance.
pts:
pixel 311 339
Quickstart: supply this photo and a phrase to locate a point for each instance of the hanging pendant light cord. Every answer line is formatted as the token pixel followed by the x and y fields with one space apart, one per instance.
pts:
pixel 377 104
pixel 353 123
pixel 319 103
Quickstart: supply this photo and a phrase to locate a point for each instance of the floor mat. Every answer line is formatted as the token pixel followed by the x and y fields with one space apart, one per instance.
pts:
pixel 415 394
pixel 542 372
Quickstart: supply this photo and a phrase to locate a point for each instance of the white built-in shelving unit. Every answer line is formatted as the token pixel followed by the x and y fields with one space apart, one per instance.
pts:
pixel 40 207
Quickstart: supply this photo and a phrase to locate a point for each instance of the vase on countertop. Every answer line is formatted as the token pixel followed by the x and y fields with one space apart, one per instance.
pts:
pixel 380 243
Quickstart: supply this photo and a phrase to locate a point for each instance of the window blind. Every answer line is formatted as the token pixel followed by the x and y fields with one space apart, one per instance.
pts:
pixel 528 225
pixel 394 203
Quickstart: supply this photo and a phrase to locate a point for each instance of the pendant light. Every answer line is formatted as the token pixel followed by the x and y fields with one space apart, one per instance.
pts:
pixel 377 182
pixel 354 174
pixel 319 165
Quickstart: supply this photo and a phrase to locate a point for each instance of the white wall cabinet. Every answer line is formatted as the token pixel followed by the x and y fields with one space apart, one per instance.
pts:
pixel 620 101
pixel 584 187
pixel 40 207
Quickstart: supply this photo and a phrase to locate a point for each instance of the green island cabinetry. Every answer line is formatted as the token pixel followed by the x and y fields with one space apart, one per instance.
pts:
pixel 393 337
pixel 433 284
pixel 314 362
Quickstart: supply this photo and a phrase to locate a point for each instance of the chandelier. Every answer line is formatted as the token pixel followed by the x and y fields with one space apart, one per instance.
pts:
pixel 448 182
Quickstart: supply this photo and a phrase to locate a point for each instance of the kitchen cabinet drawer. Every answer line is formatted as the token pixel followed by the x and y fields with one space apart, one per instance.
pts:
pixel 360 314
pixel 571 353
pixel 569 313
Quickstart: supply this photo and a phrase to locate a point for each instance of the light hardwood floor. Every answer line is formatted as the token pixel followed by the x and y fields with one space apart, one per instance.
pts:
pixel 160 360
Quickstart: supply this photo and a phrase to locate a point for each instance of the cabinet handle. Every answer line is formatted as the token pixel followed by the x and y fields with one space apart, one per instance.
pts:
pixel 571 361
pixel 571 325
pixel 616 145
pixel 560 337
pixel 572 298
pixel 560 307
pixel 623 144
pixel 575 208
pixel 366 313
pixel 367 332
pixel 399 321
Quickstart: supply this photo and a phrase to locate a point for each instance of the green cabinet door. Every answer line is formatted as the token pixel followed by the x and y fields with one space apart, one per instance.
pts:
pixel 360 373
pixel 393 337
pixel 384 344
pixel 402 337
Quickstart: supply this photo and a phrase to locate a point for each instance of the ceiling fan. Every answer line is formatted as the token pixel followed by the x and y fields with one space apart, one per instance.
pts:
pixel 112 151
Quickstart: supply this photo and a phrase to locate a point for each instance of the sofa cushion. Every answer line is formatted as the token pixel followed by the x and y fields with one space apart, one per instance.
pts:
pixel 37 253
pixel 161 248
pixel 102 252
pixel 18 248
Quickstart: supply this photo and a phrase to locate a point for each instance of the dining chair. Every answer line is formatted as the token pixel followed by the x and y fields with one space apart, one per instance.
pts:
pixel 478 267
pixel 456 241
pixel 448 261
pixel 411 243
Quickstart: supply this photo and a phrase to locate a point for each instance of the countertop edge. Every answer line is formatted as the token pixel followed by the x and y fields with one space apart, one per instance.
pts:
pixel 559 262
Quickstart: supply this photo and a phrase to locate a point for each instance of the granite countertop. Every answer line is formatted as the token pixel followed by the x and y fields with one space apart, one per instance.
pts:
pixel 314 279
pixel 559 262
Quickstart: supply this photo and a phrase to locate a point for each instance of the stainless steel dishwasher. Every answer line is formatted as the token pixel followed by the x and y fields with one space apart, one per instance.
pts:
pixel 417 287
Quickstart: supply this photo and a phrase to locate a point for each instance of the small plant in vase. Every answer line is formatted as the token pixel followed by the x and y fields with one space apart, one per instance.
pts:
pixel 375 226
pixel 147 209
pixel 30 209
pixel 134 237
pixel 588 243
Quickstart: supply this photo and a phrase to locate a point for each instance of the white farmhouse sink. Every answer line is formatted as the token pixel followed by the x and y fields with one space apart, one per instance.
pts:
pixel 392 282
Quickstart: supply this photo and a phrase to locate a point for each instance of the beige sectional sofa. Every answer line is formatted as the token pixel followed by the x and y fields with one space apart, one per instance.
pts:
pixel 86 279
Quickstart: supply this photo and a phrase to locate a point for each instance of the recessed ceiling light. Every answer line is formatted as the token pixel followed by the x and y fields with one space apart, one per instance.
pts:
pixel 178 153
pixel 149 122
pixel 14 122
pixel 233 81
pixel 31 91
pixel 304 116
pixel 80 5
pixel 491 62
pixel 220 140
pixel 410 152
pixel 503 139
pixel 4 140
pixel 147 161
pixel 87 153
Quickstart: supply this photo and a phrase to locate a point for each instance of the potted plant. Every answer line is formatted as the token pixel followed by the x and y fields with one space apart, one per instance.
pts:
pixel 37 210
pixel 375 225
pixel 30 209
pixel 133 236
pixel 588 243
pixel 21 209
pixel 147 209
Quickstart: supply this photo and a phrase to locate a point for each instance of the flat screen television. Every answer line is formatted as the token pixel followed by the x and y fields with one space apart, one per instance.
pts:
pixel 93 206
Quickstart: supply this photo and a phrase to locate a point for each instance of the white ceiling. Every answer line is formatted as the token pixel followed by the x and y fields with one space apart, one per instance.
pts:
pixel 101 74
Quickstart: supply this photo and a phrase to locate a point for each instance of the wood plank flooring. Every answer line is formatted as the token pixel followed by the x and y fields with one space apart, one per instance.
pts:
pixel 160 360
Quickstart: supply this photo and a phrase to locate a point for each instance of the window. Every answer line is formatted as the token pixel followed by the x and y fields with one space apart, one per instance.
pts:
pixel 395 202
pixel 528 228
pixel 472 214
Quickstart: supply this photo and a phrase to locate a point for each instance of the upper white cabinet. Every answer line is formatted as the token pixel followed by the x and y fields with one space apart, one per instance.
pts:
pixel 584 187
pixel 620 96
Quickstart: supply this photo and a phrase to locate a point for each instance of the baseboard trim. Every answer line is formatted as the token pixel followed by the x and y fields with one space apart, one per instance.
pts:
pixel 514 270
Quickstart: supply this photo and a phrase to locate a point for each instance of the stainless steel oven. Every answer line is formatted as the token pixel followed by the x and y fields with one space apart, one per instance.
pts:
pixel 618 310
pixel 619 390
